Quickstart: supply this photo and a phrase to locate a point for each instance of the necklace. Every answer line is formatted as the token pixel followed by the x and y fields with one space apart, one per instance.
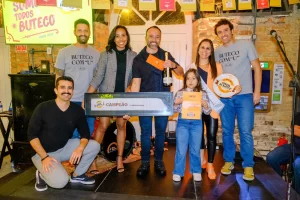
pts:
pixel 203 63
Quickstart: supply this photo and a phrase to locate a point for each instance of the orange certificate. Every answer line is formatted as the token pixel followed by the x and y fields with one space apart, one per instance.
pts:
pixel 191 105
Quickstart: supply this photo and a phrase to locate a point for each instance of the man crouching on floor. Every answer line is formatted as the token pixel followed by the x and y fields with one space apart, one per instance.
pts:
pixel 50 131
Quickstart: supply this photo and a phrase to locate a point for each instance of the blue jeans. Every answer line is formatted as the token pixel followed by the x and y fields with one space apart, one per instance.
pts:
pixel 188 134
pixel 240 106
pixel 89 120
pixel 146 133
pixel 281 156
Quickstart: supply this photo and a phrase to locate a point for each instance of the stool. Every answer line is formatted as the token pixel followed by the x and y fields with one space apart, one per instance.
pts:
pixel 5 134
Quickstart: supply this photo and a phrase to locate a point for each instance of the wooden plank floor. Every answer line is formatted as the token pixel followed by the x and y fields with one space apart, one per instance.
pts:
pixel 113 185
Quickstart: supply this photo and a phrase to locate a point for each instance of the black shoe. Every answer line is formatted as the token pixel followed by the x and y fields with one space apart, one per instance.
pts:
pixel 84 179
pixel 40 184
pixel 159 167
pixel 143 169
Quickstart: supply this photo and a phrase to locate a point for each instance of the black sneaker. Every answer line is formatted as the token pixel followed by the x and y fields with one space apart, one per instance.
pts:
pixel 143 169
pixel 84 179
pixel 159 167
pixel 40 184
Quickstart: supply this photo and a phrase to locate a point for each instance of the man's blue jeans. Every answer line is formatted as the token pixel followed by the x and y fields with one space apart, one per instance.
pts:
pixel 89 120
pixel 281 156
pixel 188 134
pixel 240 106
pixel 146 133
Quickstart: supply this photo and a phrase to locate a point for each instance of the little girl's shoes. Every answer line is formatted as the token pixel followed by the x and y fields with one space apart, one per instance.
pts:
pixel 176 178
pixel 210 171
pixel 197 177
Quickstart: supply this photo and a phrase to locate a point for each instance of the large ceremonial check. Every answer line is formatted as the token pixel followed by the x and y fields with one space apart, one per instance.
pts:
pixel 130 103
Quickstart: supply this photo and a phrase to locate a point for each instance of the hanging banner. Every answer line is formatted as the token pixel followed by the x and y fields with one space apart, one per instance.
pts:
pixel 19 1
pixel 147 5
pixel 100 4
pixel 263 4
pixel 245 5
pixel 46 2
pixel 229 4
pixel 275 3
pixel 207 5
pixel 188 5
pixel 32 24
pixel 122 4
pixel 294 1
pixel 72 3
pixel 167 5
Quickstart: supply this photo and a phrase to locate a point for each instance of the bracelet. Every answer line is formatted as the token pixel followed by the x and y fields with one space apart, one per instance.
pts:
pixel 45 157
pixel 175 66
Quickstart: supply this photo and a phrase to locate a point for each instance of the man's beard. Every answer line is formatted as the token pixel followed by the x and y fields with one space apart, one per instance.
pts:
pixel 152 45
pixel 79 40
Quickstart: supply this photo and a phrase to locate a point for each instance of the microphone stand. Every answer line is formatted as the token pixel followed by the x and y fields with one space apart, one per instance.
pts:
pixel 295 84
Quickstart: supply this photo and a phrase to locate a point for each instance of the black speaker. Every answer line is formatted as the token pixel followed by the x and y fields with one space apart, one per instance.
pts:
pixel 45 67
pixel 27 92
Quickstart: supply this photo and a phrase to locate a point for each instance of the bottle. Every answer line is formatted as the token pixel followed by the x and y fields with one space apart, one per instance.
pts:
pixel 167 74
pixel 1 107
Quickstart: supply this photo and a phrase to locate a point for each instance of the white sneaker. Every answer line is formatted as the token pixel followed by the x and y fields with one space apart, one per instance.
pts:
pixel 197 177
pixel 176 177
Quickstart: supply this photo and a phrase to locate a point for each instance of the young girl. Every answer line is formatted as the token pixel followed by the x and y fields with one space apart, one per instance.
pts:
pixel 188 131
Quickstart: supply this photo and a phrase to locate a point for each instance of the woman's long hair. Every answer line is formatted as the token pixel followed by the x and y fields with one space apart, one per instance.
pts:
pixel 111 40
pixel 198 87
pixel 211 58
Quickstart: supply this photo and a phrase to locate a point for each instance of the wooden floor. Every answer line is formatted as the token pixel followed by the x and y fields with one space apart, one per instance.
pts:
pixel 112 185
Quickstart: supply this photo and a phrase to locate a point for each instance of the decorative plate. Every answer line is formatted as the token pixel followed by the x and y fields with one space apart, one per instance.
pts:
pixel 224 85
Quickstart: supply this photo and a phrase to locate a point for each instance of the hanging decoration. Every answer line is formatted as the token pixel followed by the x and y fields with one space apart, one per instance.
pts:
pixel 147 5
pixel 263 4
pixel 19 1
pixel 72 3
pixel 122 4
pixel 245 4
pixel 100 4
pixel 188 5
pixel 167 5
pixel 229 4
pixel 207 5
pixel 275 3
pixel 46 2
pixel 294 1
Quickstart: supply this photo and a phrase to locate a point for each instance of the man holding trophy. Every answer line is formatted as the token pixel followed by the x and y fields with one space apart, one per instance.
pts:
pixel 236 57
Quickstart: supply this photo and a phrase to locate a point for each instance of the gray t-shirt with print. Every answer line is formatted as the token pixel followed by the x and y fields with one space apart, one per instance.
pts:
pixel 80 64
pixel 236 59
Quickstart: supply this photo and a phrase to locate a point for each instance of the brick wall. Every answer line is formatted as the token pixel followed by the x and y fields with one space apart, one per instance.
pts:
pixel 268 126
pixel 21 61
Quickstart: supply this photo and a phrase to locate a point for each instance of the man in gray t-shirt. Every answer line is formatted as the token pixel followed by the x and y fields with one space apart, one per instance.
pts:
pixel 236 57
pixel 79 61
